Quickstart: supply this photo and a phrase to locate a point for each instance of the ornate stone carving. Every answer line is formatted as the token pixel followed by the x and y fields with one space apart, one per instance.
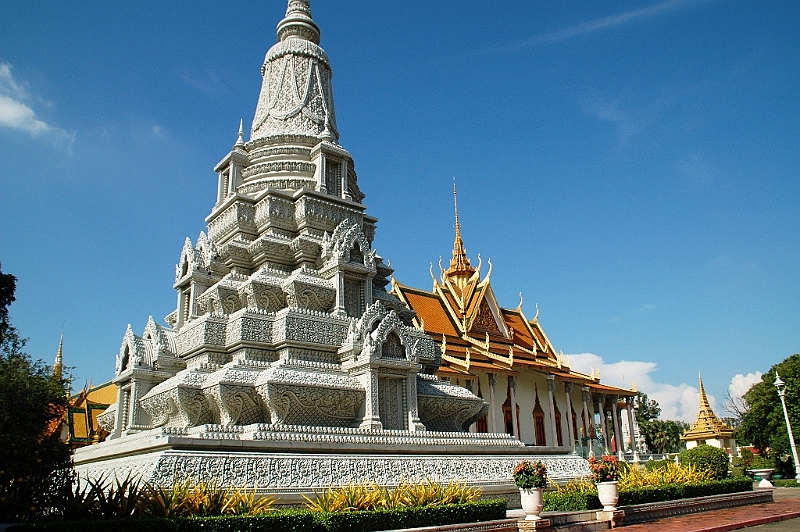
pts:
pixel 302 397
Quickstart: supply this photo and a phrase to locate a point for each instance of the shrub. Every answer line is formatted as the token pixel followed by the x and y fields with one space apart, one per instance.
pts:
pixel 571 501
pixel 651 465
pixel 357 497
pixel 635 476
pixel 605 469
pixel 365 521
pixel 529 474
pixel 709 458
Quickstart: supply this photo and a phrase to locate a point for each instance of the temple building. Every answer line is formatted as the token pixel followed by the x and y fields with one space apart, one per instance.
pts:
pixel 78 425
pixel 709 429
pixel 288 367
pixel 508 360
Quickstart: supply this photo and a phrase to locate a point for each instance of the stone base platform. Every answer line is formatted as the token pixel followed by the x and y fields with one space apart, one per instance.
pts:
pixel 289 461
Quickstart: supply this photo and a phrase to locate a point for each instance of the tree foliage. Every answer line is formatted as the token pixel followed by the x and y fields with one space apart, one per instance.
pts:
pixel 35 469
pixel 646 409
pixel 661 436
pixel 8 284
pixel 763 424
pixel 707 458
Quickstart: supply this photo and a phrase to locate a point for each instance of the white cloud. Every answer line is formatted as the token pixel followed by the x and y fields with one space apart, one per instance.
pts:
pixel 612 21
pixel 15 113
pixel 741 383
pixel 679 402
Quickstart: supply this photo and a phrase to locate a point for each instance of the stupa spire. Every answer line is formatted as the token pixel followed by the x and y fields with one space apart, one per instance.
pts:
pixel 58 366
pixel 460 262
pixel 298 22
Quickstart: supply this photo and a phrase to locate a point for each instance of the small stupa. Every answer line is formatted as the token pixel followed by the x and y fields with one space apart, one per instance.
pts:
pixel 708 428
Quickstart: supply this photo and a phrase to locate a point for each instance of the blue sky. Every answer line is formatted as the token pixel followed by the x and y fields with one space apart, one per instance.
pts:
pixel 630 167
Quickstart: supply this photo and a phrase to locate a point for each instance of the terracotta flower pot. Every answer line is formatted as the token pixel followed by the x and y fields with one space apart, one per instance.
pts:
pixel 608 493
pixel 532 502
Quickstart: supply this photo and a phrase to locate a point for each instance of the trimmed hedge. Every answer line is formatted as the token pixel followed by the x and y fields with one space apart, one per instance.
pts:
pixel 581 501
pixel 291 520
pixel 277 521
pixel 129 524
pixel 570 502
pixel 366 521
pixel 671 492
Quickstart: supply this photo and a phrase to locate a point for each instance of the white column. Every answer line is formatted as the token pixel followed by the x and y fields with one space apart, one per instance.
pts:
pixel 514 421
pixel 492 415
pixel 551 389
pixel 604 421
pixel 629 406
pixel 570 427
pixel 619 439
pixel 588 418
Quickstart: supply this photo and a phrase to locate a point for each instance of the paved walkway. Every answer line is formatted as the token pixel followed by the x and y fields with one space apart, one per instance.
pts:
pixel 785 509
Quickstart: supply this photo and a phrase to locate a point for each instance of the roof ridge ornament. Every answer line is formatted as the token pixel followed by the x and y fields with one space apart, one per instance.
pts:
pixel 298 22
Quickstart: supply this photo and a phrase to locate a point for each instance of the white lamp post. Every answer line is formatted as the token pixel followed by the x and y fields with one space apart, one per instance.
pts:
pixel 781 386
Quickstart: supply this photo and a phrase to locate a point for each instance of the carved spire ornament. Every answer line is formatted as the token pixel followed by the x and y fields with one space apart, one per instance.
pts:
pixel 296 95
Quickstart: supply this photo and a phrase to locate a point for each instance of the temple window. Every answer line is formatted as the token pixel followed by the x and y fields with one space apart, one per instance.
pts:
pixel 333 177
pixel 354 297
pixel 557 414
pixel 538 424
pixel 355 254
pixel 393 348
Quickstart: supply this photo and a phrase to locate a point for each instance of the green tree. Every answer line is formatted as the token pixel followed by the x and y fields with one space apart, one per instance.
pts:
pixel 35 470
pixel 763 424
pixel 8 284
pixel 661 436
pixel 646 409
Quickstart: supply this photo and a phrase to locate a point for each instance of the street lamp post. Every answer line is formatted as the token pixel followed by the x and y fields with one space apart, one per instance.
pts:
pixel 781 386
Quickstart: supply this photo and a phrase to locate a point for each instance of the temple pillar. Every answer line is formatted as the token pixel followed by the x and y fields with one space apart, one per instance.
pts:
pixel 551 389
pixel 570 425
pixel 629 406
pixel 619 439
pixel 601 403
pixel 514 413
pixel 588 418
pixel 414 424
pixel 372 418
pixel 492 414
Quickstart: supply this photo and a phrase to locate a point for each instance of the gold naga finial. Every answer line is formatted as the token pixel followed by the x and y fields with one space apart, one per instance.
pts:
pixel 519 307
pixel 633 386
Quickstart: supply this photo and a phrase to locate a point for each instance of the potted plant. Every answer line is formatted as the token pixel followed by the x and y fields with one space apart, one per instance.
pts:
pixel 531 478
pixel 605 473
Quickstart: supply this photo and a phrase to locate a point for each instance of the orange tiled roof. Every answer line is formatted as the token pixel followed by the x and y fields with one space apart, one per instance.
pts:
pixel 431 311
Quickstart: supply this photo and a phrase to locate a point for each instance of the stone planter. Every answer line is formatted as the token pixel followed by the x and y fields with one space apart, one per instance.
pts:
pixel 765 475
pixel 608 493
pixel 532 502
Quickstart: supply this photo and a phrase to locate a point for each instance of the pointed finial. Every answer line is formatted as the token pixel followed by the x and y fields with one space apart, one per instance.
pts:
pixel 240 140
pixel 58 366
pixel 455 205
pixel 297 23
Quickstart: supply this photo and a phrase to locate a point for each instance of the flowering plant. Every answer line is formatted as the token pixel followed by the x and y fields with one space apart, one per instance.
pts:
pixel 606 469
pixel 529 474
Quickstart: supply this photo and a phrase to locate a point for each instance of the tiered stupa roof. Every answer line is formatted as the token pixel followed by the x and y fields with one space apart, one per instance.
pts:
pixel 707 426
